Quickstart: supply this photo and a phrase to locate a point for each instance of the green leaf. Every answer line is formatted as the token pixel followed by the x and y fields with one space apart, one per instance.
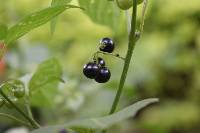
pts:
pixel 103 12
pixel 33 21
pixel 54 20
pixel 3 31
pixel 44 83
pixel 84 126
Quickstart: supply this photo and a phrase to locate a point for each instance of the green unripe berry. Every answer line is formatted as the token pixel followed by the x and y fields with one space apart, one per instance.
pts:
pixel 18 88
pixel 126 4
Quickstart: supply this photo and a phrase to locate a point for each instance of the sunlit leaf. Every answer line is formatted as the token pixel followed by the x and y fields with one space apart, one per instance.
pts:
pixel 33 21
pixel 84 126
pixel 103 12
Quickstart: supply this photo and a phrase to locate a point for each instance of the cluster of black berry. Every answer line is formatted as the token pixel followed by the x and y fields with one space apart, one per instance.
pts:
pixel 97 69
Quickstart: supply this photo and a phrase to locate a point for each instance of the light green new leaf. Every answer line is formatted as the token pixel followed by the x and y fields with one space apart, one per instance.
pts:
pixel 99 123
pixel 47 72
pixel 54 20
pixel 103 12
pixel 33 21
pixel 3 31
pixel 44 83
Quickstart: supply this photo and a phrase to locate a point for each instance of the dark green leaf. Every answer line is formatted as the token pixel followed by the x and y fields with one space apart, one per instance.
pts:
pixel 84 126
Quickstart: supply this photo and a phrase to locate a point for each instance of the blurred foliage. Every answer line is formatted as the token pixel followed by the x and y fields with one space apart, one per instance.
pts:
pixel 165 65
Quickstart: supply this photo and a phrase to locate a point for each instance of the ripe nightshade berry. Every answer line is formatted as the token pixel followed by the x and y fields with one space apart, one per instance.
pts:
pixel 107 45
pixel 103 75
pixel 101 62
pixel 90 70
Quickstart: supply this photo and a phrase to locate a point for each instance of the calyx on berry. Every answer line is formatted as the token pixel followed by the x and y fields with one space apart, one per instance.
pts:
pixel 101 62
pixel 17 87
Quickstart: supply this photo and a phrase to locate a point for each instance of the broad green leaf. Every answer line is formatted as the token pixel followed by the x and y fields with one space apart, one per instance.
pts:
pixel 84 126
pixel 54 20
pixel 103 12
pixel 33 21
pixel 3 31
pixel 44 83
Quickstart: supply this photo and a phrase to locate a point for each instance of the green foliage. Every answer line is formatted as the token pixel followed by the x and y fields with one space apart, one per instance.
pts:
pixel 87 125
pixel 44 83
pixel 33 21
pixel 54 20
pixel 3 31
pixel 102 12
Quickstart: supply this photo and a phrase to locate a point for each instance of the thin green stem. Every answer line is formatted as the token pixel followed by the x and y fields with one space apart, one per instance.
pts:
pixel 111 54
pixel 28 108
pixel 32 122
pixel 15 119
pixel 27 103
pixel 131 46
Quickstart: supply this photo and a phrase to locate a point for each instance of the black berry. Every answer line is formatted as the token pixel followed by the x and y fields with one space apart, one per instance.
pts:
pixel 103 75
pixel 107 45
pixel 91 70
pixel 101 62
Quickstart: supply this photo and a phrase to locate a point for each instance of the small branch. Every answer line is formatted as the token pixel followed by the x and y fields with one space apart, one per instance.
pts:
pixel 15 119
pixel 28 108
pixel 111 54
pixel 27 103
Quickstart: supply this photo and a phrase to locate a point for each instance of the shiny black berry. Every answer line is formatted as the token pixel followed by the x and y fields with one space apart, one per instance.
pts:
pixel 101 62
pixel 103 75
pixel 91 70
pixel 107 45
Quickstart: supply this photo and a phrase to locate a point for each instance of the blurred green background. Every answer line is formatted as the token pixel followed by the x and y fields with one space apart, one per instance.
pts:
pixel 166 64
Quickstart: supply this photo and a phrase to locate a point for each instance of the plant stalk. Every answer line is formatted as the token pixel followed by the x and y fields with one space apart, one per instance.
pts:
pixel 32 122
pixel 15 119
pixel 131 46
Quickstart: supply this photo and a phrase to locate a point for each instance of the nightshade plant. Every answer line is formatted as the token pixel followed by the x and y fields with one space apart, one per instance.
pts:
pixel 49 73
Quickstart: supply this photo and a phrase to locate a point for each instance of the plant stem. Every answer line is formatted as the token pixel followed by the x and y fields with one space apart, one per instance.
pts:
pixel 131 46
pixel 15 119
pixel 32 122
pixel 28 108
